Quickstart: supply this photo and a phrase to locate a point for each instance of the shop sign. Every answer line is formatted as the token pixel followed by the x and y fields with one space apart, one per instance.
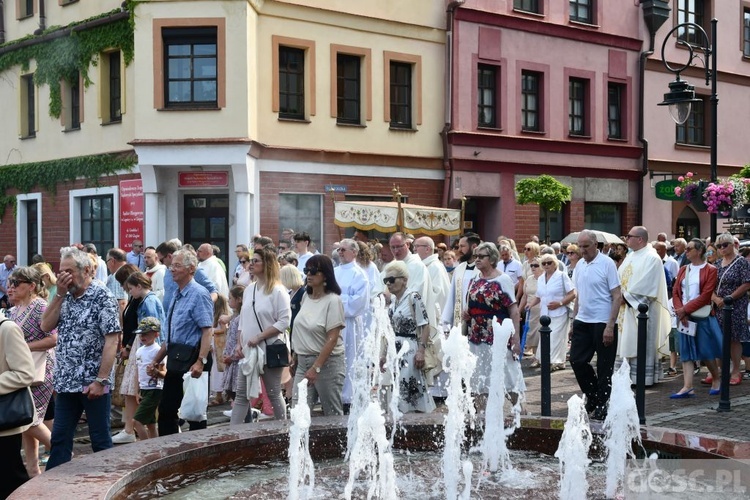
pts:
pixel 335 188
pixel 202 179
pixel 131 212
pixel 664 190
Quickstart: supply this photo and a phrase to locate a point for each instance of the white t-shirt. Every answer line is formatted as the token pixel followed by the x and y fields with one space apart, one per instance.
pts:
pixel 145 356
pixel 594 282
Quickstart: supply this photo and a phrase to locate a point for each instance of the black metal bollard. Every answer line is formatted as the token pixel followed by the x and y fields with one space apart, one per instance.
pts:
pixel 640 371
pixel 544 333
pixel 726 355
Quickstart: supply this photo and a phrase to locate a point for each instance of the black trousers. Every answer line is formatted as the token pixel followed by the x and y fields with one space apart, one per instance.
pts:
pixel 587 341
pixel 171 399
pixel 11 464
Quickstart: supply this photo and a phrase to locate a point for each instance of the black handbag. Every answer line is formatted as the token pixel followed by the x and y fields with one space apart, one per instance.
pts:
pixel 16 409
pixel 180 357
pixel 277 354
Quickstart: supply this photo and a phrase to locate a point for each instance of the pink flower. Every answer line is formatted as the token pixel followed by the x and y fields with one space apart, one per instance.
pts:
pixel 681 179
pixel 678 191
pixel 689 174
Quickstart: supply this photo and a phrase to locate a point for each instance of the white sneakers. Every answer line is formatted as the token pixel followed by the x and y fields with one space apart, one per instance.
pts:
pixel 123 437
pixel 227 413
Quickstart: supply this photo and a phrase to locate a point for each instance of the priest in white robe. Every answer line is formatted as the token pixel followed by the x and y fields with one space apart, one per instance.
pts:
pixel 643 282
pixel 355 295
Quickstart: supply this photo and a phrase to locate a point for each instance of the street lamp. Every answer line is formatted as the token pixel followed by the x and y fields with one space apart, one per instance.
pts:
pixel 681 94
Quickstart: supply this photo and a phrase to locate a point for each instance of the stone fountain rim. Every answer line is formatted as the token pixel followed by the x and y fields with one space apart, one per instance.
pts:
pixel 106 474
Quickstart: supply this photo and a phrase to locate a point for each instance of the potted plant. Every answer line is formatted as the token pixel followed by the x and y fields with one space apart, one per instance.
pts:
pixel 691 190
pixel 719 197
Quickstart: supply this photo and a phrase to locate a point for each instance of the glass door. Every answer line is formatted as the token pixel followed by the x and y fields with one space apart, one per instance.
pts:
pixel 207 221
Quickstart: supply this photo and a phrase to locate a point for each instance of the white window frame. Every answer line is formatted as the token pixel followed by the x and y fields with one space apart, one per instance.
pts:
pixel 75 210
pixel 21 221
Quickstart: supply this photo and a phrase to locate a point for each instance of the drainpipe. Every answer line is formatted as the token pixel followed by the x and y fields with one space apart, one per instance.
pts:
pixel 655 13
pixel 42 19
pixel 447 162
pixel 2 21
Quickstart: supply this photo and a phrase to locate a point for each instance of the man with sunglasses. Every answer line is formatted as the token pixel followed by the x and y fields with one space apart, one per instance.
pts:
pixel 9 265
pixel 642 283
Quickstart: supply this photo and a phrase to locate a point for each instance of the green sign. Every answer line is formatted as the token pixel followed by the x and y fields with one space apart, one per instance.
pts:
pixel 664 190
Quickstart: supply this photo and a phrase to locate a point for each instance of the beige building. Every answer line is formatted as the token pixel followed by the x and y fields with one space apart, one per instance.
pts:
pixel 245 117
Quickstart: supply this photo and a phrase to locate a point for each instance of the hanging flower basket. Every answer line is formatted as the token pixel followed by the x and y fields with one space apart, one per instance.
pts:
pixel 719 197
pixel 697 201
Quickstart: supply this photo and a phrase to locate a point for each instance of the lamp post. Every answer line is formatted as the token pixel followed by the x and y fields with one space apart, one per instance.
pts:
pixel 681 94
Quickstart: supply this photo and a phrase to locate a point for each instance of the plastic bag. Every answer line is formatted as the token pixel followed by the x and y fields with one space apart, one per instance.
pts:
pixel 195 398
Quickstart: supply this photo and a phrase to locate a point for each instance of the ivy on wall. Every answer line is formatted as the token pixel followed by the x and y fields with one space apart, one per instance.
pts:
pixel 65 57
pixel 48 174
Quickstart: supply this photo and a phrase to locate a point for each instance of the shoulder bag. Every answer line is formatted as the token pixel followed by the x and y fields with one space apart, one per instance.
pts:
pixel 703 312
pixel 432 351
pixel 180 357
pixel 277 354
pixel 16 408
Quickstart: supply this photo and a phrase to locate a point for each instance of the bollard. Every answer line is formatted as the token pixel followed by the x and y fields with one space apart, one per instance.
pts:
pixel 640 369
pixel 544 333
pixel 726 357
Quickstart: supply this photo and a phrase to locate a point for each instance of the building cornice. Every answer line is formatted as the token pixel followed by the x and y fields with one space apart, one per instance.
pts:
pixel 541 27
pixel 471 165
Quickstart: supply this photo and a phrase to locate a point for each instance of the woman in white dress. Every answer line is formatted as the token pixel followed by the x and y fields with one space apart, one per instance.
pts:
pixel 554 293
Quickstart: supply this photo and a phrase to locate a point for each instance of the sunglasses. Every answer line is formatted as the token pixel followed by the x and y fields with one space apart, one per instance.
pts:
pixel 571 253
pixel 722 245
pixel 311 270
pixel 547 263
pixel 15 282
pixel 390 280
pixel 244 261
pixel 533 265
pixel 481 255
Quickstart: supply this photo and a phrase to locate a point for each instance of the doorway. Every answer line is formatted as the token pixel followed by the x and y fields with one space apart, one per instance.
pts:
pixel 688 225
pixel 207 221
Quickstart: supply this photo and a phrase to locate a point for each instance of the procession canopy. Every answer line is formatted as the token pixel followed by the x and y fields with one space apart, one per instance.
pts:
pixel 383 216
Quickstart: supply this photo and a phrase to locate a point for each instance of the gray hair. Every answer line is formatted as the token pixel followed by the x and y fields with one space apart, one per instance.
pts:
pixel 589 235
pixel 350 244
pixel 176 242
pixel 186 258
pixel 556 247
pixel 81 258
pixel 699 245
pixel 90 248
pixel 491 251
pixel 398 269
pixel 725 238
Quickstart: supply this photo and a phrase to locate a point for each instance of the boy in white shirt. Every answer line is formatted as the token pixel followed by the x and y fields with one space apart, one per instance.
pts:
pixel 150 381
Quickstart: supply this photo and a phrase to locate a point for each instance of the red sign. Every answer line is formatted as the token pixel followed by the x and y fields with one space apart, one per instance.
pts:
pixel 131 212
pixel 203 179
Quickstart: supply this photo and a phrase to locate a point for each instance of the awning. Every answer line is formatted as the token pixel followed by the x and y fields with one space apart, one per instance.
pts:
pixel 383 216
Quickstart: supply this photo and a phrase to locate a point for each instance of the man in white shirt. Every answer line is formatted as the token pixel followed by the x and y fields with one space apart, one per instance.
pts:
pixel 595 327
pixel 510 266
pixel 419 279
pixel 669 263
pixel 155 271
pixel 301 246
pixel 209 263
pixel 355 295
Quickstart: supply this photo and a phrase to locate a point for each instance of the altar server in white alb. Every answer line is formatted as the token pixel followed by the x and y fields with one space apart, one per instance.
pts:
pixel 355 295
pixel 642 280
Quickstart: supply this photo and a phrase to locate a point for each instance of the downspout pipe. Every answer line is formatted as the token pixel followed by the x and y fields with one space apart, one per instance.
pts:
pixel 42 18
pixel 448 99
pixel 2 21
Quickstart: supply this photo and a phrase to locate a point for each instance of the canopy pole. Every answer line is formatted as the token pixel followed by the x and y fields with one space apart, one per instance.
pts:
pixel 397 198
pixel 463 212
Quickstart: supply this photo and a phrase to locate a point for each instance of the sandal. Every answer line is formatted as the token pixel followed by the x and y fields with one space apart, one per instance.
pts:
pixel 735 381
pixel 671 372
pixel 708 380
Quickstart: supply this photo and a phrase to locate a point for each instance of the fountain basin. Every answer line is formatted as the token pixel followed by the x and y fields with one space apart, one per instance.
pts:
pixel 122 471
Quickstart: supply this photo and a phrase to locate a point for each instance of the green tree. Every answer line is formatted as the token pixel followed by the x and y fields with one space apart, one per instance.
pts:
pixel 545 191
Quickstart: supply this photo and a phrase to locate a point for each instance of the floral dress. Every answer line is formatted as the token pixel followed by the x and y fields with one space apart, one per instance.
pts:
pixel 408 315
pixel 729 279
pixel 487 300
pixel 30 320
pixel 231 370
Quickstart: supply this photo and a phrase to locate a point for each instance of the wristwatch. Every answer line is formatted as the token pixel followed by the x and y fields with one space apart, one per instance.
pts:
pixel 317 369
pixel 103 381
pixel 204 361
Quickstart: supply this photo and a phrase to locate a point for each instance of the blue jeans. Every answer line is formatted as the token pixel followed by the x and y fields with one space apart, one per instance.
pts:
pixel 68 409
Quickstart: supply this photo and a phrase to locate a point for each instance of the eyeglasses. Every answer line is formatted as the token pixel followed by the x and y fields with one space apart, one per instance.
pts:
pixel 311 270
pixel 547 263
pixel 390 280
pixel 689 248
pixel 722 245
pixel 256 261
pixel 394 247
pixel 632 236
pixel 527 249
pixel 15 282
pixel 710 252
pixel 138 246
pixel 533 265
pixel 481 255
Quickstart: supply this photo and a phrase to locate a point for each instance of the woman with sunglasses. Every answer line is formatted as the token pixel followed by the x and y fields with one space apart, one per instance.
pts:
pixel 692 291
pixel 733 279
pixel 24 287
pixel 316 342
pixel 491 295
pixel 264 319
pixel 531 321
pixel 411 326
pixel 554 294
pixel 246 270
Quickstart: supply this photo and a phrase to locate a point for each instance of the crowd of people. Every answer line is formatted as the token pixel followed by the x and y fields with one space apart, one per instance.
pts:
pixel 122 333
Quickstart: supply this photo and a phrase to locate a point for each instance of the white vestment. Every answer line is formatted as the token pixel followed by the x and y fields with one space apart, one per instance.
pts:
pixel 156 274
pixel 355 295
pixel 216 274
pixel 455 301
pixel 642 282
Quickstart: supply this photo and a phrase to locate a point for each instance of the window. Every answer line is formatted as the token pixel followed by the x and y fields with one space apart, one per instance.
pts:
pixel 190 67
pixel 527 5
pixel 348 89
pixel 603 217
pixel 28 226
pixel 580 11
pixel 615 94
pixel 530 101
pixel 693 131
pixel 291 83
pixel 303 212
pixel 487 96
pixel 115 111
pixel 24 8
pixel 691 11
pixel 577 106
pixel 401 88
pixel 72 103
pixel 97 222
pixel 28 106
pixel 746 33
